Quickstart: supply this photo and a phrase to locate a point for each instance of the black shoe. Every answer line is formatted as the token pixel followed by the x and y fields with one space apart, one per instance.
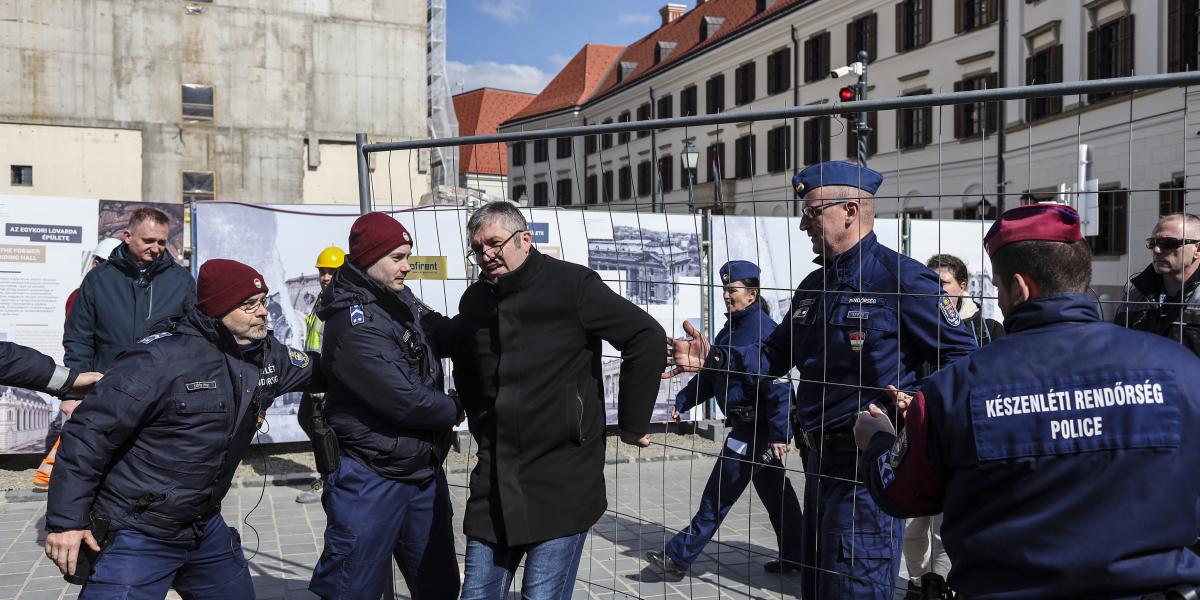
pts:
pixel 664 562
pixel 781 566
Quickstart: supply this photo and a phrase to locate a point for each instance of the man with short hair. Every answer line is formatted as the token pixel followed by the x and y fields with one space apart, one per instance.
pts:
pixel 1165 297
pixel 529 371
pixel 145 462
pixel 1063 456
pixel 388 496
pixel 866 318
pixel 118 301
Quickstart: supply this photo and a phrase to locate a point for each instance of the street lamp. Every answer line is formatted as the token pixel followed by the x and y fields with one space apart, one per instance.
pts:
pixel 691 157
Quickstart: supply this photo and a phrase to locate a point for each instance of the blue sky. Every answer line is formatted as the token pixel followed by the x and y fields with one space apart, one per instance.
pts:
pixel 521 44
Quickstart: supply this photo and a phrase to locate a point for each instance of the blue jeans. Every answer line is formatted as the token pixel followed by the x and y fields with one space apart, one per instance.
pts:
pixel 136 566
pixel 550 568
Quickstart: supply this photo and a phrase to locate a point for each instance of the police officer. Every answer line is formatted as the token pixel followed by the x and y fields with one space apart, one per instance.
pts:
pixel 756 445
pixel 866 318
pixel 327 264
pixel 1063 455
pixel 27 368
pixel 1165 297
pixel 144 464
pixel 388 496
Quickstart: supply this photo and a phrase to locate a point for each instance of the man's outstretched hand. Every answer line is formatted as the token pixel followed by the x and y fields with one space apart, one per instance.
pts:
pixel 686 354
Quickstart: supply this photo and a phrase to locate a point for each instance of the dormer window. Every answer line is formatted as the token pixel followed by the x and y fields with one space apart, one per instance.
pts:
pixel 625 69
pixel 709 26
pixel 662 50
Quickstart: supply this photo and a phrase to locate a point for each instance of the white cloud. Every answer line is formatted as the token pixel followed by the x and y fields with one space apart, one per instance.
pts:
pixel 509 11
pixel 636 19
pixel 507 76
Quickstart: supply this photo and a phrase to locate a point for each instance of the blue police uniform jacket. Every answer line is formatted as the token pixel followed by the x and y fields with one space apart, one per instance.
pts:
pixel 384 398
pixel 155 447
pixel 870 319
pixel 1063 456
pixel 771 401
pixel 27 368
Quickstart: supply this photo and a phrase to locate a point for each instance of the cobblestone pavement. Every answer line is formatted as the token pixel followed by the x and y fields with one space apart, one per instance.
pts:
pixel 642 497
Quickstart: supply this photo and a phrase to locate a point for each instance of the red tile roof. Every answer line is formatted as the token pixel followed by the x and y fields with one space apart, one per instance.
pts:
pixel 479 112
pixel 685 33
pixel 575 83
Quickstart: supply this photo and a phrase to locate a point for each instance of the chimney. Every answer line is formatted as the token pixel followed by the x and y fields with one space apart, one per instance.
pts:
pixel 671 12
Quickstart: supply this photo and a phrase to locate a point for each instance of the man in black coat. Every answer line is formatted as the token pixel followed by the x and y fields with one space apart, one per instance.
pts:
pixel 388 497
pixel 528 369
pixel 1165 297
pixel 146 461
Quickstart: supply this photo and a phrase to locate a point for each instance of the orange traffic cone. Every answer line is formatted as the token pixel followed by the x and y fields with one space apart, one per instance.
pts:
pixel 41 479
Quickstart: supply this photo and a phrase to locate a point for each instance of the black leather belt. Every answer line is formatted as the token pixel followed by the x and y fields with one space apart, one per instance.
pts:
pixel 840 440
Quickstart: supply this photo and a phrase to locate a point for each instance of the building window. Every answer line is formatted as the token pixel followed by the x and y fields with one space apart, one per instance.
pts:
pixel 662 50
pixel 743 84
pixel 1114 215
pixel 541 150
pixel 625 69
pixel 606 138
pixel 715 156
pixel 1110 53
pixel 562 192
pixel 20 175
pixel 607 190
pixel 1183 39
pixel 643 180
pixel 743 157
pixel 623 137
pixel 914 24
pixel 644 114
pixel 872 136
pixel 541 193
pixel 687 101
pixel 562 147
pixel 1045 66
pixel 974 119
pixel 199 186
pixel 714 95
pixel 1171 196
pixel 589 144
pixel 517 151
pixel 625 182
pixel 665 104
pixel 779 71
pixel 591 191
pixel 816 57
pixel 970 15
pixel 518 192
pixel 974 211
pixel 916 125
pixel 709 26
pixel 816 140
pixel 860 35
pixel 197 103
pixel 918 212
pixel 778 148
pixel 666 173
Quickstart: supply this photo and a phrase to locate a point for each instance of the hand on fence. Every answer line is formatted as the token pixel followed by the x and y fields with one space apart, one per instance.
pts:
pixel 686 354
pixel 675 416
pixel 871 421
pixel 900 398
pixel 635 439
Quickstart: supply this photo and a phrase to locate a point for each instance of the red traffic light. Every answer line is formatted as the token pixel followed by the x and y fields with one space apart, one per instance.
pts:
pixel 847 94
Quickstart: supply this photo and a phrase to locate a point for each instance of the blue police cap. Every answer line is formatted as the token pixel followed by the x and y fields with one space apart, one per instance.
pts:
pixel 737 270
pixel 836 172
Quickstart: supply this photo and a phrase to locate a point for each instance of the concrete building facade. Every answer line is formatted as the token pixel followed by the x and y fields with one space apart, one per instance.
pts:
pixel 239 100
pixel 947 162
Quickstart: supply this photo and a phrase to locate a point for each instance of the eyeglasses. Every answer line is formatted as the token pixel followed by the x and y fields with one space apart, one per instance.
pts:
pixel 251 306
pixel 813 212
pixel 477 254
pixel 1167 244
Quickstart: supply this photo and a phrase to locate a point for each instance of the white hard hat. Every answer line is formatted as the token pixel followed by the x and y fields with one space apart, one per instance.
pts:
pixel 106 247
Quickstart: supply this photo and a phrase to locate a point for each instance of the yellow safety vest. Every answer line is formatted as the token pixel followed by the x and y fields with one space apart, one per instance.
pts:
pixel 314 329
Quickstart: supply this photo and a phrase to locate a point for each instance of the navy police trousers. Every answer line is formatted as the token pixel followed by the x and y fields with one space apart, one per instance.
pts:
pixel 138 567
pixel 372 519
pixel 730 477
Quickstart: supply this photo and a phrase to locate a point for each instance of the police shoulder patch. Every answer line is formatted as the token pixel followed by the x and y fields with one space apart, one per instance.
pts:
pixel 357 316
pixel 297 358
pixel 886 474
pixel 156 336
pixel 949 313
pixel 899 449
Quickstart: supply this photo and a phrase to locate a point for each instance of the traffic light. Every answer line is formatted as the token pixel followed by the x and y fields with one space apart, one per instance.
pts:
pixel 848 94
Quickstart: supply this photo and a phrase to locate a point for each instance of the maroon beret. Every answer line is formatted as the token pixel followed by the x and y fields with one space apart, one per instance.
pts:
pixel 224 284
pixel 1046 222
pixel 372 236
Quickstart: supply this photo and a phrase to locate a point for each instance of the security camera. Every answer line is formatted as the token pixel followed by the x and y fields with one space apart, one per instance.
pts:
pixel 855 68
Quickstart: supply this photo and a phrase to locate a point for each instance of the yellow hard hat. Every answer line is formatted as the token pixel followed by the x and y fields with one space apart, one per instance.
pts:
pixel 331 258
